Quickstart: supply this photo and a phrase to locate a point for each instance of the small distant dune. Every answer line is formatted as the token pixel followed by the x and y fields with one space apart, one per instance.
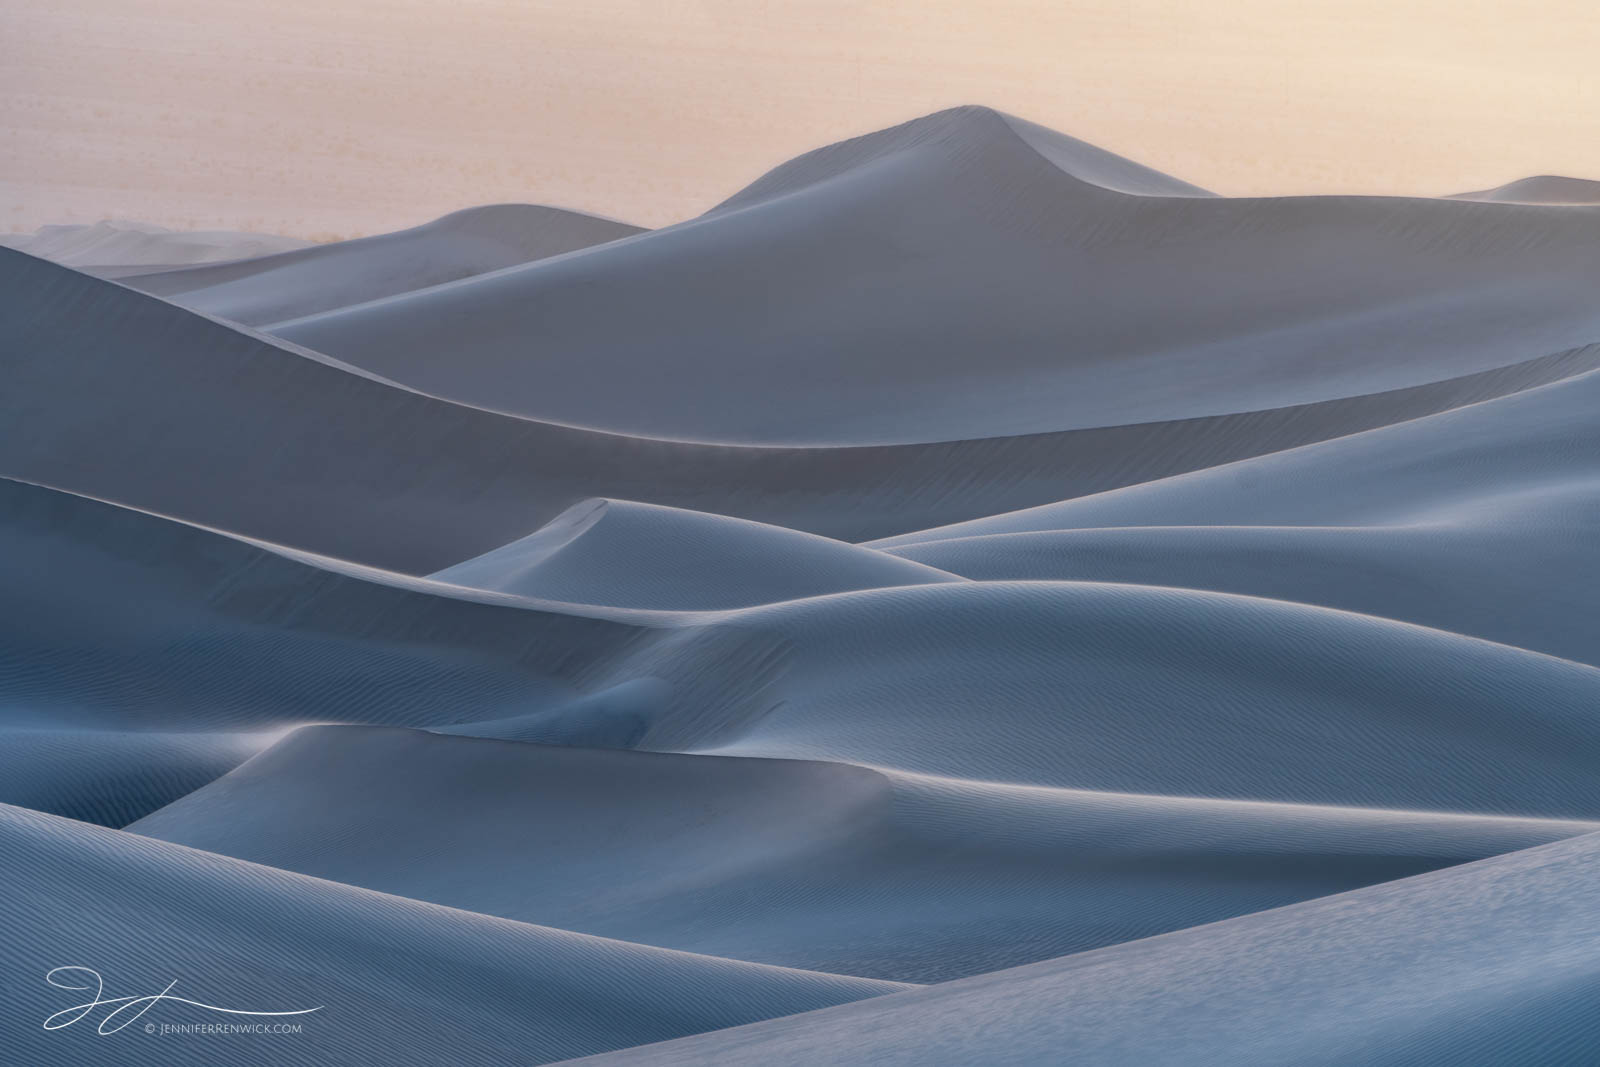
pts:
pixel 124 249
pixel 1543 189
pixel 293 284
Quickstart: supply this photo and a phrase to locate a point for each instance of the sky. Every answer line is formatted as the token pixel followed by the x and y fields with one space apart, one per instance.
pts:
pixel 335 118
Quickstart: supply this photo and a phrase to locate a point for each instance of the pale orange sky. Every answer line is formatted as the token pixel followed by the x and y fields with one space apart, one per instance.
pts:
pixel 339 117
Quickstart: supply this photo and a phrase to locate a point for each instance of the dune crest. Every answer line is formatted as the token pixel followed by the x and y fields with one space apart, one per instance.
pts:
pixel 624 554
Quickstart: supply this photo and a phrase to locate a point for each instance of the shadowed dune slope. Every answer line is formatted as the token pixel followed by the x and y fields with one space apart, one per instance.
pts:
pixel 621 553
pixel 824 866
pixel 140 657
pixel 396 981
pixel 164 625
pixel 117 395
pixel 952 278
pixel 1496 962
pixel 292 284
pixel 109 775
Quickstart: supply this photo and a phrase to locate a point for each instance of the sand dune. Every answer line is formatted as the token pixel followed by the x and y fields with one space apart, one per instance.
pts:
pixel 1472 521
pixel 112 775
pixel 799 311
pixel 188 629
pixel 1493 962
pixel 1543 189
pixel 396 980
pixel 142 657
pixel 235 431
pixel 118 249
pixel 1462 465
pixel 616 552
pixel 955 132
pixel 1145 689
pixel 1091 618
pixel 292 284
pixel 824 866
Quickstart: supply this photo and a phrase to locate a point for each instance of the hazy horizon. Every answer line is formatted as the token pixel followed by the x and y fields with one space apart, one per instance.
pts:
pixel 323 120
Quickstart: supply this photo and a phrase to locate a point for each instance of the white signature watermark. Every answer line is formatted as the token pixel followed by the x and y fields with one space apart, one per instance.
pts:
pixel 125 1010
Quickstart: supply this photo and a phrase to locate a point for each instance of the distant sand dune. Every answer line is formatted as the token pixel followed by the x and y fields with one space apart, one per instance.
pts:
pixel 304 282
pixel 1544 189
pixel 119 249
pixel 947 280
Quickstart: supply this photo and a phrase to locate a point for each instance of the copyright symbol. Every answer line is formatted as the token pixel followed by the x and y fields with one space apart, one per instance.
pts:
pixel 149 1028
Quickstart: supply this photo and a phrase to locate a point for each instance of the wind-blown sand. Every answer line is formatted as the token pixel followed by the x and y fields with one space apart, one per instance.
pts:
pixel 968 598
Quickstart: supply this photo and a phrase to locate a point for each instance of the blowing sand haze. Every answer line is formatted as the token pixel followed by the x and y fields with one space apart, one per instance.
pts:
pixel 967 598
